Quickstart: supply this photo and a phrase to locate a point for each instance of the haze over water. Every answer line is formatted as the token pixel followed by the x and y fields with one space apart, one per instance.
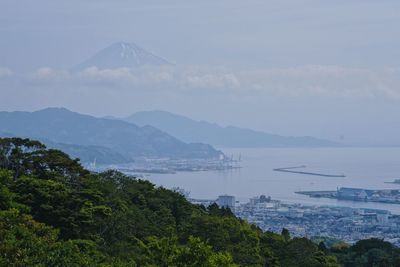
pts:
pixel 366 168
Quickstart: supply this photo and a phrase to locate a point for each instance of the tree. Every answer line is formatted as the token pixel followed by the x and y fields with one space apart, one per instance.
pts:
pixel 25 242
pixel 14 153
pixel 322 247
pixel 28 157
pixel 286 234
pixel 167 252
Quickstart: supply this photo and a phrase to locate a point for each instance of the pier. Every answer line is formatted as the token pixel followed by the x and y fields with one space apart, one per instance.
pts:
pixel 324 194
pixel 389 196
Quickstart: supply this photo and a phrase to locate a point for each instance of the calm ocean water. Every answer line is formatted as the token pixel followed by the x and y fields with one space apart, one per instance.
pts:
pixel 364 168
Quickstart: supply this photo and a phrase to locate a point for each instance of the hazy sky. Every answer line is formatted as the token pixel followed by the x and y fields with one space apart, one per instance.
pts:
pixel 322 68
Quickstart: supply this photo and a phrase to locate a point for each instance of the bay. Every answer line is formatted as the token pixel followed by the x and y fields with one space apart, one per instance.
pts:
pixel 364 167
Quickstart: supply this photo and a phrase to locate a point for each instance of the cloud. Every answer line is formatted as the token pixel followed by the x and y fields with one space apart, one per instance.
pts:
pixel 208 79
pixel 302 81
pixel 47 74
pixel 93 73
pixel 325 81
pixel 161 77
pixel 5 72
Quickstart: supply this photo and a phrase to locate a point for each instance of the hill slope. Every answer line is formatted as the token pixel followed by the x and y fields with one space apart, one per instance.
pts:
pixel 190 130
pixel 55 213
pixel 59 125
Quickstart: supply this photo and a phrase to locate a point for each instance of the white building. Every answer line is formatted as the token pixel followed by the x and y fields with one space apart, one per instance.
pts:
pixel 382 218
pixel 227 202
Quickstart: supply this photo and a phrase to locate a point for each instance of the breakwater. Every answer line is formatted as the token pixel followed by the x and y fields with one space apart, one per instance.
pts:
pixel 294 170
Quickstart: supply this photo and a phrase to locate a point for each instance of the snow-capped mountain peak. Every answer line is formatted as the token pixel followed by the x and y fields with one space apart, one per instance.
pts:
pixel 122 55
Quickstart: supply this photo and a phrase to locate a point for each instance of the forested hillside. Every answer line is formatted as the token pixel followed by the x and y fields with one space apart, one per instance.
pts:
pixel 55 213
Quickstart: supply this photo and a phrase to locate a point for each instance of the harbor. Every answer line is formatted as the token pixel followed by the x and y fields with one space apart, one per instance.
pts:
pixel 256 175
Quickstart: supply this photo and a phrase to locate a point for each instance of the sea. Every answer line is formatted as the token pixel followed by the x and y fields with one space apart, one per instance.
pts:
pixel 364 167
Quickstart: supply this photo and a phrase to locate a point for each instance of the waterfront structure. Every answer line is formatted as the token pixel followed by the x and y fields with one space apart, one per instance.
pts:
pixel 294 170
pixel 352 193
pixel 358 194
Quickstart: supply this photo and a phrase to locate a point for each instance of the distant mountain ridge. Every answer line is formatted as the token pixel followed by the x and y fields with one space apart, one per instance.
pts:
pixel 190 130
pixel 122 55
pixel 61 127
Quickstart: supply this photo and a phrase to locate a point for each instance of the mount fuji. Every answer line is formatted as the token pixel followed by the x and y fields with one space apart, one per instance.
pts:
pixel 122 55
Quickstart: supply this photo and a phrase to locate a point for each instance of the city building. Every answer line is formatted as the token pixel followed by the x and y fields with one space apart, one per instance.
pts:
pixel 227 202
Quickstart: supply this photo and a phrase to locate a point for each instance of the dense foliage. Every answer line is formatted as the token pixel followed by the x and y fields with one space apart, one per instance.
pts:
pixel 55 213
